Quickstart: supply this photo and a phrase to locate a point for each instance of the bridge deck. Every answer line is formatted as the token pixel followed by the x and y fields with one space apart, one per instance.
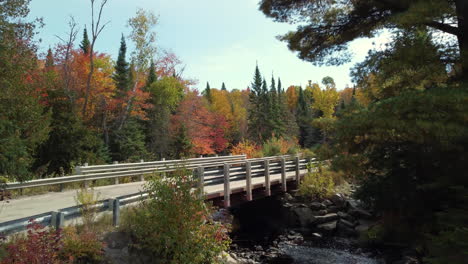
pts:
pixel 33 205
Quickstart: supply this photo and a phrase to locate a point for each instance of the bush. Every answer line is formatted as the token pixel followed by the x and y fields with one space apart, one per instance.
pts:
pixel 248 148
pixel 37 247
pixel 87 199
pixel 279 146
pixel 174 224
pixel 317 184
pixel 41 245
pixel 83 247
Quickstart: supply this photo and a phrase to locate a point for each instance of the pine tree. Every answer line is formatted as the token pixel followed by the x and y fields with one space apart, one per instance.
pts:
pixel 223 87
pixel 49 63
pixel 152 77
pixel 280 91
pixel 256 119
pixel 181 144
pixel 122 71
pixel 85 44
pixel 207 93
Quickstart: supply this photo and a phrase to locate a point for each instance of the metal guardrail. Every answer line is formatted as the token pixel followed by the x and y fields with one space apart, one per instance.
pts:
pixel 208 174
pixel 116 171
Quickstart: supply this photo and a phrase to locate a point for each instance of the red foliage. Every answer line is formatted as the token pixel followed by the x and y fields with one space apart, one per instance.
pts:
pixel 205 128
pixel 40 246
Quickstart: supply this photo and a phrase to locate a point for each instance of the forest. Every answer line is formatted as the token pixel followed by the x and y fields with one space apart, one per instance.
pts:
pixel 400 133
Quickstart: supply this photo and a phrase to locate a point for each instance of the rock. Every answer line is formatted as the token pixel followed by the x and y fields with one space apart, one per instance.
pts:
pixel 362 228
pixel 333 209
pixel 345 216
pixel 316 235
pixel 317 206
pixel 328 227
pixel 351 204
pixel 304 216
pixel 346 228
pixel 327 203
pixel 326 218
pixel 407 260
pixel 346 223
pixel 288 197
pixel 223 216
pixel 258 248
pixel 338 200
pixel 360 213
pixel 322 212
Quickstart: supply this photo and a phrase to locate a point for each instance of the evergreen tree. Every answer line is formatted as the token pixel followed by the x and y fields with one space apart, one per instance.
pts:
pixel 152 77
pixel 256 117
pixel 223 87
pixel 280 89
pixel 122 71
pixel 181 144
pixel 85 44
pixel 128 143
pixel 49 63
pixel 207 93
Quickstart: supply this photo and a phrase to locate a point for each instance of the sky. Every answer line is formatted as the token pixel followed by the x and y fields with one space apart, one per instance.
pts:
pixel 217 40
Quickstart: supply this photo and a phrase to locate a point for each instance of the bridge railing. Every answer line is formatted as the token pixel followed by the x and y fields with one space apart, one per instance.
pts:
pixel 233 169
pixel 115 171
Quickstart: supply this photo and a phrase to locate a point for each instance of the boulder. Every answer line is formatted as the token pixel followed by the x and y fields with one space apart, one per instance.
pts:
pixel 304 216
pixel 327 203
pixel 362 228
pixel 322 212
pixel 328 227
pixel 346 223
pixel 345 230
pixel 338 200
pixel 326 218
pixel 333 209
pixel 360 213
pixel 317 206
pixel 288 197
pixel 346 217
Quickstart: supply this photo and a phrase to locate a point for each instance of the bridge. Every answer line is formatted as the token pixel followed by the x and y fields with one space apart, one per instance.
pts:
pixel 219 179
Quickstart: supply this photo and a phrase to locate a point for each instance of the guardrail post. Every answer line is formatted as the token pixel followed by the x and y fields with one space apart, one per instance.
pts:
pixel 111 204
pixel 86 183
pixel 248 179
pixel 201 180
pixel 283 174
pixel 297 171
pixel 116 180
pixel 116 212
pixel 58 219
pixel 267 177
pixel 227 186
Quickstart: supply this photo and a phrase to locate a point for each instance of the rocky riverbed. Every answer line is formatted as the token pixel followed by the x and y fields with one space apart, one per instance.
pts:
pixel 291 229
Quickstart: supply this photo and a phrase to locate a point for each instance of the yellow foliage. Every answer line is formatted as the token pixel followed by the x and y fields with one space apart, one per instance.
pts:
pixel 325 100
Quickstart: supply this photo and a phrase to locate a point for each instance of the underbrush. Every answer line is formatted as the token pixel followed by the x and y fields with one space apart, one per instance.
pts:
pixel 174 225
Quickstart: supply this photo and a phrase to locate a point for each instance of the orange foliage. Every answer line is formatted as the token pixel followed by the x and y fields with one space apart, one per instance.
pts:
pixel 246 147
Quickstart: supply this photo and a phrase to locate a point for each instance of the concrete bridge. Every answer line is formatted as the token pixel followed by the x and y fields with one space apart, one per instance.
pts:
pixel 225 180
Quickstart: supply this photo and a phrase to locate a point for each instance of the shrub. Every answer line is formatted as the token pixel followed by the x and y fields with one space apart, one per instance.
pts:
pixel 317 184
pixel 87 198
pixel 174 224
pixel 83 247
pixel 37 247
pixel 247 147
pixel 279 146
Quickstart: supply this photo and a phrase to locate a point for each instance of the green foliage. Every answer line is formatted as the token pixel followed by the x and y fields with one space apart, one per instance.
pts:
pixel 128 144
pixel 317 184
pixel 85 43
pixel 122 71
pixel 174 225
pixel 24 123
pixel 276 146
pixel 181 144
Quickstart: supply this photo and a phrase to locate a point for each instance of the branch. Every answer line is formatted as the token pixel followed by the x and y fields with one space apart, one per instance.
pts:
pixel 444 27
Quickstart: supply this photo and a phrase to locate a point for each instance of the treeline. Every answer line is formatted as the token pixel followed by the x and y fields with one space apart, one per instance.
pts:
pixel 76 105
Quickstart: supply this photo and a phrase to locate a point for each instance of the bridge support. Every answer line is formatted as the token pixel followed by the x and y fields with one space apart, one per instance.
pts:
pixel 298 176
pixel 283 175
pixel 227 186
pixel 267 177
pixel 248 179
pixel 201 181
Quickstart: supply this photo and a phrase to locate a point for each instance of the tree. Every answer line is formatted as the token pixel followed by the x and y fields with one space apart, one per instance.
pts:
pixel 85 44
pixel 166 94
pixel 121 75
pixel 328 26
pixel 207 92
pixel 49 63
pixel 96 29
pixel 256 110
pixel 24 123
pixel 152 77
pixel 223 87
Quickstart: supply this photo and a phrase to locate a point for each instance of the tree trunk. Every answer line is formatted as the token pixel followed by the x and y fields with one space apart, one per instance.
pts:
pixel 88 83
pixel 462 15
